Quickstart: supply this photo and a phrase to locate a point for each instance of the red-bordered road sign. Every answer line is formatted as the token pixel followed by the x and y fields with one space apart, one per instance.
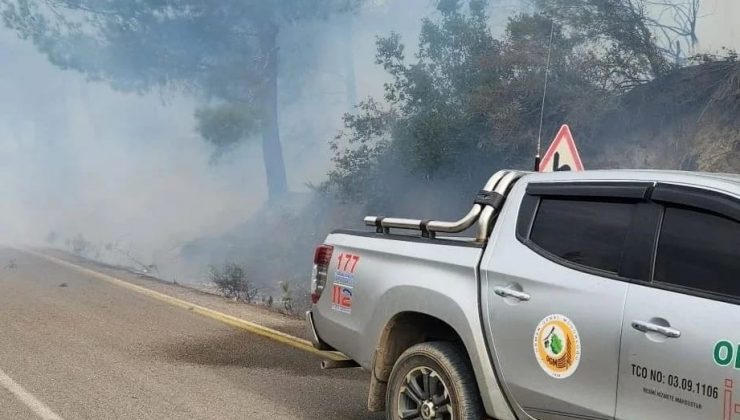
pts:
pixel 562 155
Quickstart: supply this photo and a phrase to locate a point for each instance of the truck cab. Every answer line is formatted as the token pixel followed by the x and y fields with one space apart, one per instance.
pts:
pixel 592 295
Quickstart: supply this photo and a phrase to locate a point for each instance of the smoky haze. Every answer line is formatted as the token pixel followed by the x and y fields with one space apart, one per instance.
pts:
pixel 77 157
pixel 129 171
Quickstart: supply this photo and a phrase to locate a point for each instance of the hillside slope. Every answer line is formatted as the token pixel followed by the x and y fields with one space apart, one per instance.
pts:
pixel 688 120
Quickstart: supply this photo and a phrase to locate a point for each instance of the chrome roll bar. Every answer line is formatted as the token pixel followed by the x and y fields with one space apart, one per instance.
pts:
pixel 489 213
pixel 471 217
pixel 498 183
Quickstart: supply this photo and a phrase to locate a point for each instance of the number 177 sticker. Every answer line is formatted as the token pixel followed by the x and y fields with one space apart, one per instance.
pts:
pixel 347 262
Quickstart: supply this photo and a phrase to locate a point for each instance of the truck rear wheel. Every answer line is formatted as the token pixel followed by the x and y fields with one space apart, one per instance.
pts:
pixel 433 381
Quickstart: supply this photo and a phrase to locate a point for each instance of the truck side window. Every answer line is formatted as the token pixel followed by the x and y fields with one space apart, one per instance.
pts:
pixel 588 232
pixel 699 250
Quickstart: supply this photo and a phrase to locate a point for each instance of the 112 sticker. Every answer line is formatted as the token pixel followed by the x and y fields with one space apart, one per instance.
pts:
pixel 341 298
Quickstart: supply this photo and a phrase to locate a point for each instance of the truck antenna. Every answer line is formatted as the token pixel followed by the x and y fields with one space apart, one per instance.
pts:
pixel 544 95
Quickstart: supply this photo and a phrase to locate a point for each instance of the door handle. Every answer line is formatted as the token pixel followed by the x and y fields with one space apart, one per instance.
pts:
pixel 650 327
pixel 509 292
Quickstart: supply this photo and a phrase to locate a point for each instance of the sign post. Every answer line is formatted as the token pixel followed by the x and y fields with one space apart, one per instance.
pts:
pixel 562 154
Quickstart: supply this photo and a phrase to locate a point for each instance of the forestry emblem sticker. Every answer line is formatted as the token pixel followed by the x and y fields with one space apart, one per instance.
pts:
pixel 557 346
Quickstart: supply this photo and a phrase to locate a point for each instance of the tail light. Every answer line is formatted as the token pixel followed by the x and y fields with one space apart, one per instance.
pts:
pixel 321 260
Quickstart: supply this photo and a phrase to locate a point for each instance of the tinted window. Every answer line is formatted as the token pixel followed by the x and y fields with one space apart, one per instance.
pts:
pixel 588 232
pixel 699 250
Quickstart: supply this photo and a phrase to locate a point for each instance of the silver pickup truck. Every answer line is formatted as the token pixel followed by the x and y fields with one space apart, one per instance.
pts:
pixel 580 295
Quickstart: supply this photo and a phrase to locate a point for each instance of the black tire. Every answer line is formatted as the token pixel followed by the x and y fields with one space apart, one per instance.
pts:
pixel 424 366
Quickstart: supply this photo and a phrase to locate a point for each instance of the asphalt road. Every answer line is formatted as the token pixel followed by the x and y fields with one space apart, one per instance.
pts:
pixel 75 347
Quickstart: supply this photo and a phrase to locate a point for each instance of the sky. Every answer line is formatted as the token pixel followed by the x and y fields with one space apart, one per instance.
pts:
pixel 719 25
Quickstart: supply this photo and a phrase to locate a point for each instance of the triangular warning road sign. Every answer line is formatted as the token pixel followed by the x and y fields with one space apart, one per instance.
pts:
pixel 562 154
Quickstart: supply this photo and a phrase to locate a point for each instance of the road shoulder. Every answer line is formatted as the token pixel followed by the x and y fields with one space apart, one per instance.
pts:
pixel 251 313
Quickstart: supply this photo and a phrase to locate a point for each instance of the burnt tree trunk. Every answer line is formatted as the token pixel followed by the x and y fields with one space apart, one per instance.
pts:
pixel 272 151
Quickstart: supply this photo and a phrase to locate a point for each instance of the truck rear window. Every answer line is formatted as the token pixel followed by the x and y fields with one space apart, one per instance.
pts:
pixel 591 233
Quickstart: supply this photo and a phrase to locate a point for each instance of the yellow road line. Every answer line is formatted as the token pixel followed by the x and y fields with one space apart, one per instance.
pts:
pixel 253 328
